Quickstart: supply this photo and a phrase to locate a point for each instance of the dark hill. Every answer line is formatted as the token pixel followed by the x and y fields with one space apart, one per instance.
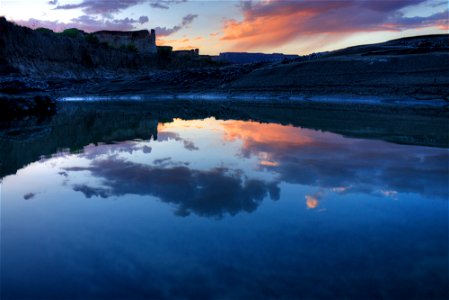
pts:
pixel 410 66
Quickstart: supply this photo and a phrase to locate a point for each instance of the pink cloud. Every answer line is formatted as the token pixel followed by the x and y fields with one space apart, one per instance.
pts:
pixel 277 22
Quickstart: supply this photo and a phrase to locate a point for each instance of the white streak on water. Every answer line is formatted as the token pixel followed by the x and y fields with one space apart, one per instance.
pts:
pixel 264 98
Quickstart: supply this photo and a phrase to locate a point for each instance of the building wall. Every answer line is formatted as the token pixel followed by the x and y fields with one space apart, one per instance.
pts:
pixel 142 40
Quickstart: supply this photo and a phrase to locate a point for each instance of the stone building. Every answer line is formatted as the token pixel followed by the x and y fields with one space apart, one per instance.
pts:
pixel 144 41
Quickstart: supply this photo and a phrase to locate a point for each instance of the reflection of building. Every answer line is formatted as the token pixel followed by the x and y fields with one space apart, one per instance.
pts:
pixel 143 41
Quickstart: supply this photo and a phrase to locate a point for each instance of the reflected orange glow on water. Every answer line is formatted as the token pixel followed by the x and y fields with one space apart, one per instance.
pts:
pixel 265 133
pixel 263 140
pixel 311 201
pixel 269 163
pixel 246 131
pixel 179 124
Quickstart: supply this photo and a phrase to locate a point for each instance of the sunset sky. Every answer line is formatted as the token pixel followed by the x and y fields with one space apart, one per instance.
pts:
pixel 296 27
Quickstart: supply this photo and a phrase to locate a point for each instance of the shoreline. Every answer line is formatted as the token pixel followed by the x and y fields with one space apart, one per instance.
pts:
pixel 267 98
pixel 41 104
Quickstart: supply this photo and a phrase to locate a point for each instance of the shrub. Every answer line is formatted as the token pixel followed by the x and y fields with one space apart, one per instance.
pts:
pixel 92 39
pixel 131 48
pixel 72 33
pixel 44 30
pixel 105 45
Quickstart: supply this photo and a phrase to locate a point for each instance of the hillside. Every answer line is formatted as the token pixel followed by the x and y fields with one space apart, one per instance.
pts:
pixel 409 66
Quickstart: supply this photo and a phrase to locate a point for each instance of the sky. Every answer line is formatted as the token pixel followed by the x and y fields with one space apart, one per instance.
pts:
pixel 269 26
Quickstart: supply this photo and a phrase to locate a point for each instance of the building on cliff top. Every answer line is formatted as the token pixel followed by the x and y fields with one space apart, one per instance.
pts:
pixel 144 41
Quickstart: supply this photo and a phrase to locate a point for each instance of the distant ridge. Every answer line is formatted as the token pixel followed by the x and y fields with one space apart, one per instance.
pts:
pixel 248 57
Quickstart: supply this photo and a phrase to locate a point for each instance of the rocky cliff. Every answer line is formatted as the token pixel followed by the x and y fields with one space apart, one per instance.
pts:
pixel 142 41
pixel 39 52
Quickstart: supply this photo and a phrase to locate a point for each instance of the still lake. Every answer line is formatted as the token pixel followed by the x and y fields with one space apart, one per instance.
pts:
pixel 232 209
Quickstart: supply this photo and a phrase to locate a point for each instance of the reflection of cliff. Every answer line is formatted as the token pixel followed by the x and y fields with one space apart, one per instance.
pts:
pixel 72 130
pixel 77 125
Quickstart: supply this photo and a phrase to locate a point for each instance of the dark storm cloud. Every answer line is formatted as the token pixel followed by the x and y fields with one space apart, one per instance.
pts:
pixel 211 193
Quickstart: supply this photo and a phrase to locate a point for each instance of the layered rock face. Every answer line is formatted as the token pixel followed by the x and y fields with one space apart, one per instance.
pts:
pixel 46 54
pixel 144 41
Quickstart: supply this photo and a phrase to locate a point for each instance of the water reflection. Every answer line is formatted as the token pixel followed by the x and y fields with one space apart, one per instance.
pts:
pixel 333 162
pixel 250 210
pixel 211 192
pixel 212 168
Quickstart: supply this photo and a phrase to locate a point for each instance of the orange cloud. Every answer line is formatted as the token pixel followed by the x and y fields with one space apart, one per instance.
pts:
pixel 277 22
pixel 266 31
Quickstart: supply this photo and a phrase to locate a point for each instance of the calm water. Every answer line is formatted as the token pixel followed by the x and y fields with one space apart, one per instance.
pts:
pixel 228 209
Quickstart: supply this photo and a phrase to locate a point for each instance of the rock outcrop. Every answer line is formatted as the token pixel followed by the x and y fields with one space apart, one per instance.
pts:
pixel 40 53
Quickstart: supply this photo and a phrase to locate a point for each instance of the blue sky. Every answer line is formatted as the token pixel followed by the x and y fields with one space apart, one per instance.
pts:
pixel 299 27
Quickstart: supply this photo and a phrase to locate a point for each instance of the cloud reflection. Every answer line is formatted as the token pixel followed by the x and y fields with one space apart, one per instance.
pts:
pixel 325 161
pixel 330 161
pixel 210 193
